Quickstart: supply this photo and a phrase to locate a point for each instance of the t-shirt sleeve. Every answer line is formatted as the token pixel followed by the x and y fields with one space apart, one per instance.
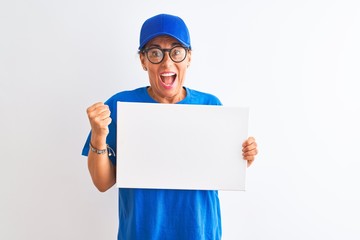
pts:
pixel 86 148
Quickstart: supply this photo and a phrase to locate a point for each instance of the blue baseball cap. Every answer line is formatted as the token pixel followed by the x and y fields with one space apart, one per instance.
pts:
pixel 164 24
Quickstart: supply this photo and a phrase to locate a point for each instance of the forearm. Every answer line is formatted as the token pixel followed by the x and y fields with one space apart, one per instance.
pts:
pixel 102 171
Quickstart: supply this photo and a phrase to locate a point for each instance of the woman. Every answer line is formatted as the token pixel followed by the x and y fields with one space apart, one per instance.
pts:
pixel 165 53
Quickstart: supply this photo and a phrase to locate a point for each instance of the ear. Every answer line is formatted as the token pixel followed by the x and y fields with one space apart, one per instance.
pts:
pixel 143 61
pixel 188 58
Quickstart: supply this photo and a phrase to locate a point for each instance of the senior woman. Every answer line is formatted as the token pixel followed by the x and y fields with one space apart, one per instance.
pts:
pixel 165 53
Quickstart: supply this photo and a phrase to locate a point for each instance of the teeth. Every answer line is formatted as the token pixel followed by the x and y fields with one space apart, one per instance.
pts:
pixel 167 74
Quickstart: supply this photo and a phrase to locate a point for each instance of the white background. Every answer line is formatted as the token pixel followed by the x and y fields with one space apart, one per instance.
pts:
pixel 294 63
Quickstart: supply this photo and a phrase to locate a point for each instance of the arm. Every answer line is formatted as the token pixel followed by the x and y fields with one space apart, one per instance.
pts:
pixel 102 171
pixel 249 150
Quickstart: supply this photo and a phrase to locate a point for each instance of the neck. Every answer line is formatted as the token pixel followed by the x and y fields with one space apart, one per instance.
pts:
pixel 173 99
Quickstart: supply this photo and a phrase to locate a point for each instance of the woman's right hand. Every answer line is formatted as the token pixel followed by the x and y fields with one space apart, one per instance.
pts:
pixel 99 117
pixel 102 171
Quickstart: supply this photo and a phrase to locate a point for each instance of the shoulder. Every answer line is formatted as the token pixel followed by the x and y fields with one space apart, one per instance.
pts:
pixel 128 95
pixel 198 97
pixel 135 95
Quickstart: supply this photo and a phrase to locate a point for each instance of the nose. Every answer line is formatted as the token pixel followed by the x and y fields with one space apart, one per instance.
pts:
pixel 167 60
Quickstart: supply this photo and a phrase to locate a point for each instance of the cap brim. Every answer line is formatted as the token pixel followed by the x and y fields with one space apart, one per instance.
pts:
pixel 162 34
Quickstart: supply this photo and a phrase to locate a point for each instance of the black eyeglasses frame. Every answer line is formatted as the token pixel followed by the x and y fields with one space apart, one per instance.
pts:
pixel 164 50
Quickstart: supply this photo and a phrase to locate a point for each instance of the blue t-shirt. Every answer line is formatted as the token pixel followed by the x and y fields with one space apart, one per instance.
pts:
pixel 152 214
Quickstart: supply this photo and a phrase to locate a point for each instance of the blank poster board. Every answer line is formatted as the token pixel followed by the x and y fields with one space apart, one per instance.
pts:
pixel 178 146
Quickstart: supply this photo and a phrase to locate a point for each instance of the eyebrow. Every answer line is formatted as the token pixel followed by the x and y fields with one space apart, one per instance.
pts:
pixel 172 45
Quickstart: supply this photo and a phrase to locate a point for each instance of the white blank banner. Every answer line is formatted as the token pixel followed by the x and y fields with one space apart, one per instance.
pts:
pixel 178 146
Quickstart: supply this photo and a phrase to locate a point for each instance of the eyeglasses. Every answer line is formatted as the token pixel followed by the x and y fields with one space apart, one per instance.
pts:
pixel 155 55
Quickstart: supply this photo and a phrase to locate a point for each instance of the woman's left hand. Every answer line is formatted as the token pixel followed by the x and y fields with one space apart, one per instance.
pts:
pixel 249 150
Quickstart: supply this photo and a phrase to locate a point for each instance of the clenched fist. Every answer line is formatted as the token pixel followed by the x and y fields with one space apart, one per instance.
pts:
pixel 99 117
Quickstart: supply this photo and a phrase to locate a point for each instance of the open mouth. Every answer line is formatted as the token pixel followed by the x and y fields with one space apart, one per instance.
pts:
pixel 168 78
